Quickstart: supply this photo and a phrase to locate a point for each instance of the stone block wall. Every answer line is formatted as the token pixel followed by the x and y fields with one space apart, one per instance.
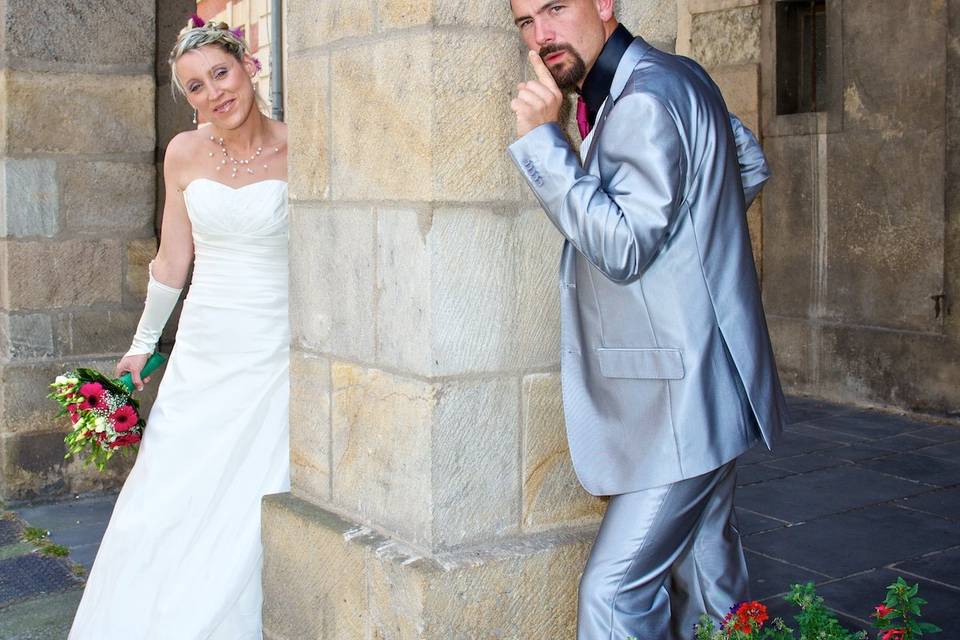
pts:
pixel 76 215
pixel 431 482
pixel 860 249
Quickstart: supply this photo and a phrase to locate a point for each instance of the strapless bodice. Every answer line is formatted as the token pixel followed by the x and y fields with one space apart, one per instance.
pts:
pixel 240 242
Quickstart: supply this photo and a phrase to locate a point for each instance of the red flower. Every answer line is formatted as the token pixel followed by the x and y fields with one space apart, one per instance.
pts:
pixel 881 611
pixel 74 416
pixel 894 634
pixel 125 440
pixel 93 396
pixel 124 418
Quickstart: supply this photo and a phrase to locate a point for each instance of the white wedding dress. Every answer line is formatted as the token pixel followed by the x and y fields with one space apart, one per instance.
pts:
pixel 181 557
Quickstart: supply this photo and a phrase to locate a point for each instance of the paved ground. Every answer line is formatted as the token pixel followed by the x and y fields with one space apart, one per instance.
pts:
pixel 851 500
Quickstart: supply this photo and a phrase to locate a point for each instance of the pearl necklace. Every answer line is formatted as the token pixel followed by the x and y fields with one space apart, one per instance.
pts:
pixel 236 165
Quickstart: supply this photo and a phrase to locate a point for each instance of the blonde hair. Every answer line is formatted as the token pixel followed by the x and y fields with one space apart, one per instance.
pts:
pixel 216 33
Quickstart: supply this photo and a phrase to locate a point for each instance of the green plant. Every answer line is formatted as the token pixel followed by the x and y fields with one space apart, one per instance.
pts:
pixel 898 617
pixel 38 538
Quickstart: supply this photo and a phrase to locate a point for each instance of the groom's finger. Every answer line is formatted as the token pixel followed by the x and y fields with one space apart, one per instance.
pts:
pixel 543 73
pixel 537 87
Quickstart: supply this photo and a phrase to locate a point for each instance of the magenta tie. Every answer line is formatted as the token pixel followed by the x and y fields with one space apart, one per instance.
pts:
pixel 583 120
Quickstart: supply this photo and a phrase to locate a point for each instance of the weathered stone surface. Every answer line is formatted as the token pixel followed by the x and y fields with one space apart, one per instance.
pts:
pixel 790 221
pixel 906 92
pixel 382 455
pixel 24 336
pixel 471 13
pixel 309 127
pixel 726 37
pixel 32 464
pixel 535 334
pixel 332 294
pixel 382 120
pixel 320 593
pixel 397 14
pixel 885 234
pixel 310 426
pixel 862 364
pixel 101 331
pixel 320 23
pixel 91 32
pixel 705 6
pixel 795 344
pixel 74 272
pixel 755 227
pixel 472 121
pixel 139 255
pixel 170 18
pixel 24 405
pixel 108 197
pixel 474 291
pixel 107 114
pixel 551 492
pixel 654 20
pixel 475 473
pixel 519 589
pixel 29 203
pixel 404 304
pixel 740 86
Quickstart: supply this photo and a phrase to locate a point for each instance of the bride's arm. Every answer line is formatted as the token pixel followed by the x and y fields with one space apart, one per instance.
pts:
pixel 172 263
pixel 168 271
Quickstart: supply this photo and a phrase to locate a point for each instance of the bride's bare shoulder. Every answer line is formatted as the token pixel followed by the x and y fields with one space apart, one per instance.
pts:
pixel 185 145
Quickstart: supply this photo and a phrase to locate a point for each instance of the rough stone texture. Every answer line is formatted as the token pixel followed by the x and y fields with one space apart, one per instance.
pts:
pixel 95 32
pixel 397 14
pixel 99 331
pixel 790 216
pixel 475 468
pixel 333 288
pixel 885 229
pixel 309 127
pixel 705 6
pixel 551 492
pixel 382 456
pixel 654 20
pixel 24 336
pixel 472 120
pixel 75 272
pixel 536 333
pixel 740 86
pixel 320 23
pixel 795 343
pixel 910 39
pixel 108 113
pixel 726 37
pixel 105 198
pixel 28 198
pixel 382 120
pixel 310 426
pixel 359 584
pixel 139 255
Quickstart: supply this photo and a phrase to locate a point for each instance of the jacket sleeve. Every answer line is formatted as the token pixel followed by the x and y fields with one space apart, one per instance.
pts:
pixel 754 171
pixel 619 226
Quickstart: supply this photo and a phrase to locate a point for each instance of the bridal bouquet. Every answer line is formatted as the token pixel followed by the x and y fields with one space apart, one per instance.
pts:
pixel 105 415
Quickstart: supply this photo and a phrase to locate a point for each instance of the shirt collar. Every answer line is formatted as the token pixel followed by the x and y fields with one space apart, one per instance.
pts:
pixel 596 86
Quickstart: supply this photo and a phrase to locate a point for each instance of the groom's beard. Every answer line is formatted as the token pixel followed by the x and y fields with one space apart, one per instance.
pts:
pixel 569 74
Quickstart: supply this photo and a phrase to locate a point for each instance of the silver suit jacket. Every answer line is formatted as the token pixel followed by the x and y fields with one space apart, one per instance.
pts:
pixel 666 363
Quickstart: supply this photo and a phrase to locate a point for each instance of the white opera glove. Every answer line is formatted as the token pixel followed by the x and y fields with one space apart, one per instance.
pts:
pixel 161 299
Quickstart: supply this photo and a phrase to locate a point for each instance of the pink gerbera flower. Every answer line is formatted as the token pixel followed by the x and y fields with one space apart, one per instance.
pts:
pixel 125 440
pixel 124 418
pixel 94 396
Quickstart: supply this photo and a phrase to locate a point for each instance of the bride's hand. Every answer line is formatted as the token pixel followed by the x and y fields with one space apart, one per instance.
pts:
pixel 133 364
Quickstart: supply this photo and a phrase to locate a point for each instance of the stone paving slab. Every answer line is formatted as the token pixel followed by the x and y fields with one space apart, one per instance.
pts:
pixel 32 575
pixel 44 618
pixel 77 524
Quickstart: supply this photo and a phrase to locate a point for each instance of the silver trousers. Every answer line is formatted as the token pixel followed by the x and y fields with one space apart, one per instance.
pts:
pixel 662 558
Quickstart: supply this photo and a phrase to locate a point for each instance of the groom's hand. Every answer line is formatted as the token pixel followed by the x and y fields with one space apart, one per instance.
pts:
pixel 538 101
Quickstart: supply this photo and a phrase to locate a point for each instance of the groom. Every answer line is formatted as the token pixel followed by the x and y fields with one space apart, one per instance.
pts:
pixel 668 373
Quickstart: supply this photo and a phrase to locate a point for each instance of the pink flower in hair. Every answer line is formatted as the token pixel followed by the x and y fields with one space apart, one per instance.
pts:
pixel 237 32
pixel 257 64
pixel 196 21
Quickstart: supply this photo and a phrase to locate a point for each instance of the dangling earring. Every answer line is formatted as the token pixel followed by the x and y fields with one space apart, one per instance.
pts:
pixel 194 116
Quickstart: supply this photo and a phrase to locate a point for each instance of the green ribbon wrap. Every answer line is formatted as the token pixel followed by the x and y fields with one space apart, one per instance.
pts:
pixel 153 363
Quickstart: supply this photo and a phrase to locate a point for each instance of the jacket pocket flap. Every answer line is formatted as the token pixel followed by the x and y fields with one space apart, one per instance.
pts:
pixel 659 364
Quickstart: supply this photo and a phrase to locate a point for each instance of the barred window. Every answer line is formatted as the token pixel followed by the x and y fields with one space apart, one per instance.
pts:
pixel 801 33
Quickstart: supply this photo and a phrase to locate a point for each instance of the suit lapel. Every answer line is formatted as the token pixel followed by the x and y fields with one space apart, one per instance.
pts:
pixel 625 68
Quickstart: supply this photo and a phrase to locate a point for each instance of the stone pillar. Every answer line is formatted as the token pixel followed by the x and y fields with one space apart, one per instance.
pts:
pixel 724 37
pixel 76 205
pixel 433 495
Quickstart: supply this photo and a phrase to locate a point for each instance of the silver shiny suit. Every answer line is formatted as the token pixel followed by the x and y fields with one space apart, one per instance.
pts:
pixel 667 368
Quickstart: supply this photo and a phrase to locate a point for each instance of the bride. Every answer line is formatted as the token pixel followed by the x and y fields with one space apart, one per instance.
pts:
pixel 181 558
